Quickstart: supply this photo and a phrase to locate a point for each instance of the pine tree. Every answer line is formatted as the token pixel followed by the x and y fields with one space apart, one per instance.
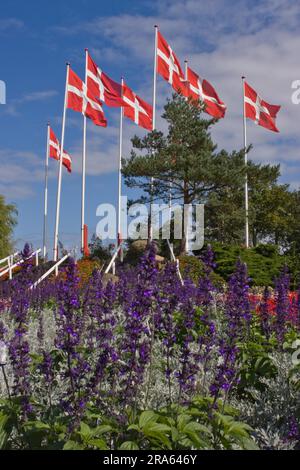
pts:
pixel 185 159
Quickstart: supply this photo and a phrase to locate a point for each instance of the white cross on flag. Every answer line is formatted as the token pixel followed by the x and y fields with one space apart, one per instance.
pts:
pixel 137 109
pixel 82 100
pixel 54 151
pixel 168 65
pixel 200 89
pixel 103 87
pixel 263 113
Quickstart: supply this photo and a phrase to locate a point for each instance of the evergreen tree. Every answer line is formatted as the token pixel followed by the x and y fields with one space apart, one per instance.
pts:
pixel 185 162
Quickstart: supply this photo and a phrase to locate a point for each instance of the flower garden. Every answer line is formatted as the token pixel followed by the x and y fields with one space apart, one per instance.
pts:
pixel 144 362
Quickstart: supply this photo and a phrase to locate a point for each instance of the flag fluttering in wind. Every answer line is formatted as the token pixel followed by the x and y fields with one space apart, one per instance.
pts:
pixel 137 109
pixel 103 87
pixel 168 65
pixel 263 113
pixel 54 151
pixel 200 89
pixel 82 100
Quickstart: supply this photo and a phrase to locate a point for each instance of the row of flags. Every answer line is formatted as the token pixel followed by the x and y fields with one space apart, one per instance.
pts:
pixel 87 97
pixel 100 88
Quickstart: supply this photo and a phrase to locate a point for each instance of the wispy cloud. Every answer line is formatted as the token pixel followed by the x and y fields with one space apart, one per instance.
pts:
pixel 12 107
pixel 10 25
pixel 20 170
pixel 222 40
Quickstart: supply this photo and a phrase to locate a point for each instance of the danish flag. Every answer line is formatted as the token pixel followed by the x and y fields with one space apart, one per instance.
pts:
pixel 168 65
pixel 263 113
pixel 54 151
pixel 103 87
pixel 136 109
pixel 200 89
pixel 82 100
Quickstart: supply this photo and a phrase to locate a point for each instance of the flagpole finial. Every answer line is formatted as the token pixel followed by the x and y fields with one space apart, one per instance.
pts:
pixel 155 26
pixel 243 78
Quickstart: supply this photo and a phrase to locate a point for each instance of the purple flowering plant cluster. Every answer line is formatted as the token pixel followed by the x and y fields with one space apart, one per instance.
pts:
pixel 104 352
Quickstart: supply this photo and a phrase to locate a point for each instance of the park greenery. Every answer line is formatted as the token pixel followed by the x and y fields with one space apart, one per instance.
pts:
pixel 140 360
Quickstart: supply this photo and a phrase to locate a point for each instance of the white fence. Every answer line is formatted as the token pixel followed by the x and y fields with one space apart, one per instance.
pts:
pixel 50 271
pixel 11 263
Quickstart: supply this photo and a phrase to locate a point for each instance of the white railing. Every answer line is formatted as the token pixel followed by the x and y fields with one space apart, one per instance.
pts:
pixel 11 265
pixel 175 261
pixel 8 261
pixel 50 271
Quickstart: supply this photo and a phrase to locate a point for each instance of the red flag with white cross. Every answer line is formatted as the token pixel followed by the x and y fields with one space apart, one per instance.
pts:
pixel 261 112
pixel 200 89
pixel 168 65
pixel 54 151
pixel 102 86
pixel 82 100
pixel 137 109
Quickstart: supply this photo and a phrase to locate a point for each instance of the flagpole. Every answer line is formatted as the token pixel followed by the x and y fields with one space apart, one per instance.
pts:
pixel 246 176
pixel 120 169
pixel 186 217
pixel 83 164
pixel 153 120
pixel 60 168
pixel 46 194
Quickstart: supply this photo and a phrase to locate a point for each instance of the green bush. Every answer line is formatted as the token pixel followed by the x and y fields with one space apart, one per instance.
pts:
pixel 264 262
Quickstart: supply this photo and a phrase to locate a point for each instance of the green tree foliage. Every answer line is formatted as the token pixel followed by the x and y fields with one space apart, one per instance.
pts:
pixel 270 209
pixel 185 161
pixel 7 222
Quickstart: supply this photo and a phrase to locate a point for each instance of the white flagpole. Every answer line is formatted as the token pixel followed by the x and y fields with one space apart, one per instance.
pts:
pixel 46 195
pixel 153 118
pixel 60 168
pixel 120 168
pixel 246 176
pixel 83 164
pixel 188 215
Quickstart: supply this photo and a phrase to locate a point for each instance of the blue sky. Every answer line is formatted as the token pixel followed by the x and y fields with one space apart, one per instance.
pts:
pixel 222 39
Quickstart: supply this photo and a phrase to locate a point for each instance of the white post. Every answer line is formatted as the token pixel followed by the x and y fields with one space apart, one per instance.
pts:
pixel 46 195
pixel 60 168
pixel 9 268
pixel 246 176
pixel 153 118
pixel 186 216
pixel 83 163
pixel 120 172
pixel 37 258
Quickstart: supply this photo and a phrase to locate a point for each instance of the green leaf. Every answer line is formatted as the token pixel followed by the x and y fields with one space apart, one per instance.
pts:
pixel 85 430
pixel 146 417
pixel 72 445
pixel 98 443
pixel 102 429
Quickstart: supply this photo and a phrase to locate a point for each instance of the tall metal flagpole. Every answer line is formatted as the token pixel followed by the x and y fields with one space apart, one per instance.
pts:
pixel 153 119
pixel 46 194
pixel 83 163
pixel 120 169
pixel 60 168
pixel 246 176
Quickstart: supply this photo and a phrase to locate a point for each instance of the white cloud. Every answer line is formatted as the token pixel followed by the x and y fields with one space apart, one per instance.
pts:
pixel 8 25
pixel 20 170
pixel 223 39
pixel 35 96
